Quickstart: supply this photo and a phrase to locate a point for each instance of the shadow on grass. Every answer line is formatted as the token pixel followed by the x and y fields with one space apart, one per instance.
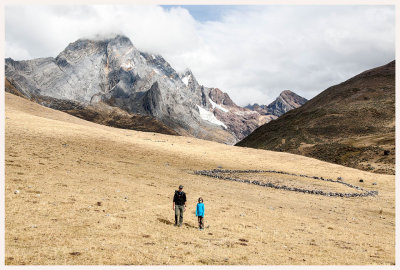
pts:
pixel 190 225
pixel 165 221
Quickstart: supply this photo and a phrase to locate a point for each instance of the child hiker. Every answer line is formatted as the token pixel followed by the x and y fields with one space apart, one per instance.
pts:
pixel 200 213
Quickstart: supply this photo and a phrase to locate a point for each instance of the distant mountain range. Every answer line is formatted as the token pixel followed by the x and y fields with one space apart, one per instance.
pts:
pixel 352 124
pixel 111 82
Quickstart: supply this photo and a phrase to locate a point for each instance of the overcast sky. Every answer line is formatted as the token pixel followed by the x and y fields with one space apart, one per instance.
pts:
pixel 251 52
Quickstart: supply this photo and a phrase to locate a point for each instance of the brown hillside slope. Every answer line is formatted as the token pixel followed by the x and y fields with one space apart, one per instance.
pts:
pixel 352 124
pixel 81 193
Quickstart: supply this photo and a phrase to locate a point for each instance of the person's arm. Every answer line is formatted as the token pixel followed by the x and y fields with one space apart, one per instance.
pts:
pixel 185 202
pixel 197 207
pixel 173 202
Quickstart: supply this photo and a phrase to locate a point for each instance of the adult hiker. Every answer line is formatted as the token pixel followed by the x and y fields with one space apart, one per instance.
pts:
pixel 179 205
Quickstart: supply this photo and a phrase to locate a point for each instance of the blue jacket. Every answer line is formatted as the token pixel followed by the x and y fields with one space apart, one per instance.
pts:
pixel 200 210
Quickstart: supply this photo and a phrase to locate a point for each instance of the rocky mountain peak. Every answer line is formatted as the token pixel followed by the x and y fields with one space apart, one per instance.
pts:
pixel 186 72
pixel 112 71
pixel 113 39
pixel 187 77
pixel 254 107
pixel 190 81
pixel 75 51
pixel 221 98
pixel 119 42
pixel 286 101
pixel 292 97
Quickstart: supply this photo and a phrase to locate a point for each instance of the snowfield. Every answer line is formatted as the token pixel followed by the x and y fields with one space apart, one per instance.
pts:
pixel 185 80
pixel 210 117
pixel 128 65
pixel 215 105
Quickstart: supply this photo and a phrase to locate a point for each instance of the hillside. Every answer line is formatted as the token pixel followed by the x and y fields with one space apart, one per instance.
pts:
pixel 81 193
pixel 352 124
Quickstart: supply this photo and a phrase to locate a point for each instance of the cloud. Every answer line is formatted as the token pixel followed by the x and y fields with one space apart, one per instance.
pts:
pixel 250 52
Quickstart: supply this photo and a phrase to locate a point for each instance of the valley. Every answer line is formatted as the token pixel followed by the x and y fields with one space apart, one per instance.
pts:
pixel 81 193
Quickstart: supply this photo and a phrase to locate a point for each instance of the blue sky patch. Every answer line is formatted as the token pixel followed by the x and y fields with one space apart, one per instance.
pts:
pixel 203 13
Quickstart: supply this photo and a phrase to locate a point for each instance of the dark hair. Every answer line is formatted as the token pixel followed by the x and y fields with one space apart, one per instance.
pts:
pixel 200 199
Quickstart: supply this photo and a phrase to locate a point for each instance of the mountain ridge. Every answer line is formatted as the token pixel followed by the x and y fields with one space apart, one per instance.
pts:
pixel 113 72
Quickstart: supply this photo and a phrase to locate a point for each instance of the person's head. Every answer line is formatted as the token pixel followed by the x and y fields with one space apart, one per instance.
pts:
pixel 200 200
pixel 180 188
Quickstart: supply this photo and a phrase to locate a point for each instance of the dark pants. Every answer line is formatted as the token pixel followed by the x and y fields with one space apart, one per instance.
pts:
pixel 201 222
pixel 179 213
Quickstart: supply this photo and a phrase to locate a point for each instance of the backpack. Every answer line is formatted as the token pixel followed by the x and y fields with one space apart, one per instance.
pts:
pixel 179 197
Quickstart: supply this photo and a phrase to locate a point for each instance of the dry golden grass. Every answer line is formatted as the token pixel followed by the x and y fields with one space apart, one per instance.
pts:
pixel 63 166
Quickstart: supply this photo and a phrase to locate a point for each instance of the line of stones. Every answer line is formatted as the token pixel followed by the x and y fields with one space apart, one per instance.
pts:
pixel 215 173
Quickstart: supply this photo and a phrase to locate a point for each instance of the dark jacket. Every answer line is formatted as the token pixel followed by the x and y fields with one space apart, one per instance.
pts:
pixel 179 198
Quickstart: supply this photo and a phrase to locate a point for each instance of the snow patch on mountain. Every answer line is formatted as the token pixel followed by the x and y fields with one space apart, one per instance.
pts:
pixel 128 65
pixel 185 80
pixel 215 105
pixel 209 116
pixel 128 51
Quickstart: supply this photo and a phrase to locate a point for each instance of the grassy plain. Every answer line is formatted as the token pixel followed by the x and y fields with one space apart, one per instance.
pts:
pixel 91 194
